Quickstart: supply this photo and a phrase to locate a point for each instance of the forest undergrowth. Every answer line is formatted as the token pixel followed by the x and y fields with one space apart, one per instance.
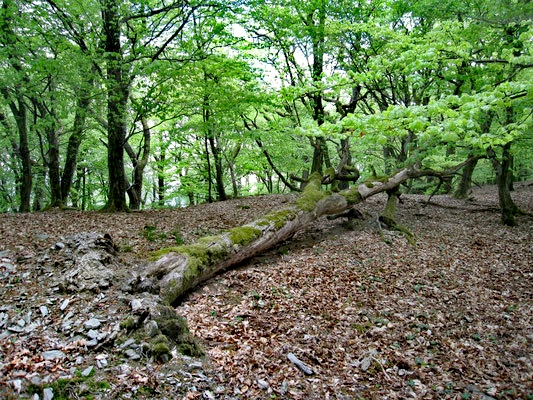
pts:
pixel 370 314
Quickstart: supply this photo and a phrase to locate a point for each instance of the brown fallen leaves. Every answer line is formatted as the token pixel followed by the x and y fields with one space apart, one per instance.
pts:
pixel 449 318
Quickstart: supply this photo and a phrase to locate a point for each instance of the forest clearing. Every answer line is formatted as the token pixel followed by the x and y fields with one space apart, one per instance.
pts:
pixel 370 314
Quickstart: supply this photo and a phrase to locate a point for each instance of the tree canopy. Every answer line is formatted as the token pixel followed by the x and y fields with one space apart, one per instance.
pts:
pixel 127 104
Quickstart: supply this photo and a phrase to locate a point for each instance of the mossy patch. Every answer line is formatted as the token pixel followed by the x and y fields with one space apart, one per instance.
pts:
pixel 352 196
pixel 277 218
pixel 244 235
pixel 311 194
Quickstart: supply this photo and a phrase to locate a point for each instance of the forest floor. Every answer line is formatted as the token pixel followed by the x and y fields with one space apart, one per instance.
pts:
pixel 372 315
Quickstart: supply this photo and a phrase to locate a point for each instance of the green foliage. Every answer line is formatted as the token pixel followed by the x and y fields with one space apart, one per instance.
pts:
pixel 409 83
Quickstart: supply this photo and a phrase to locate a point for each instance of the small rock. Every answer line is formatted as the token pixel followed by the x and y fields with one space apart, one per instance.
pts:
pixel 365 364
pixel 36 380
pixel 48 394
pixel 44 311
pixel 31 327
pixel 41 236
pixel 17 385
pixel 59 246
pixel 87 371
pixel 64 304
pixel 35 397
pixel 196 365
pixel 15 328
pixel 79 360
pixel 21 323
pixel 93 334
pixel 151 328
pixel 132 354
pixel 101 363
pixel 92 343
pixel 136 305
pixel 127 343
pixel 263 384
pixel 53 354
pixel 92 323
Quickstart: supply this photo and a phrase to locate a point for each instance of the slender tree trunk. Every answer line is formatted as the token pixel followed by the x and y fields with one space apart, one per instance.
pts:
pixel 135 190
pixel 74 141
pixel 160 170
pixel 209 172
pixel 466 180
pixel 219 171
pixel 503 178
pixel 25 186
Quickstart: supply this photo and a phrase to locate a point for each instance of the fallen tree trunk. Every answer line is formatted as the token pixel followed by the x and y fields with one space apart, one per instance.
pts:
pixel 182 268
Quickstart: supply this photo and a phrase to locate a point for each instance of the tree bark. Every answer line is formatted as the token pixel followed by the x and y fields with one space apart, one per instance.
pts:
pixel 466 180
pixel 74 140
pixel 139 164
pixel 117 98
pixel 504 177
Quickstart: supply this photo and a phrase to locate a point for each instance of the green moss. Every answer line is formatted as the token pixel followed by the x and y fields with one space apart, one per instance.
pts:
pixel 160 348
pixel 128 323
pixel 244 234
pixel 278 218
pixel 352 196
pixel 311 194
pixel 174 328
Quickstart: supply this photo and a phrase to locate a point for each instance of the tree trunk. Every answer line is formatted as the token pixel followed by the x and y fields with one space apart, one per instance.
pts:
pixel 466 180
pixel 117 98
pixel 503 178
pixel 219 171
pixel 160 169
pixel 135 189
pixel 74 141
pixel 24 153
pixel 182 268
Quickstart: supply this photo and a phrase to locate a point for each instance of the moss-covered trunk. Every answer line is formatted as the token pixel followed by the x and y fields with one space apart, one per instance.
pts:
pixel 182 268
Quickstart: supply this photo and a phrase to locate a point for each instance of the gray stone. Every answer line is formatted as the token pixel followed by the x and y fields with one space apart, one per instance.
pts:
pixel 151 328
pixel 64 304
pixel 36 380
pixel 127 343
pixel 87 371
pixel 136 305
pixel 196 365
pixel 92 323
pixel 92 343
pixel 132 354
pixel 48 394
pixel 102 363
pixel 15 328
pixel 53 354
pixel 93 334
pixel 263 384
pixel 44 311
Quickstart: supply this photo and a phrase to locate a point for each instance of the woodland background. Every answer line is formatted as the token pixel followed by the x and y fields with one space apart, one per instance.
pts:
pixel 142 104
